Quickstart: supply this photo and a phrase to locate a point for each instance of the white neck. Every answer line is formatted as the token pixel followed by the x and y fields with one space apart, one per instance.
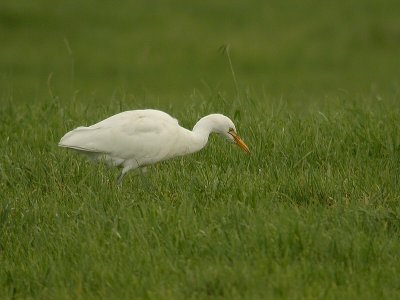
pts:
pixel 198 137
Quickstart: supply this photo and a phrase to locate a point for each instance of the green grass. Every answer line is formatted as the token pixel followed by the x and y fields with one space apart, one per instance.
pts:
pixel 312 213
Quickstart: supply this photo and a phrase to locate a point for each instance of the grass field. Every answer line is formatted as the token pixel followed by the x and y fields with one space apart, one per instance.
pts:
pixel 312 213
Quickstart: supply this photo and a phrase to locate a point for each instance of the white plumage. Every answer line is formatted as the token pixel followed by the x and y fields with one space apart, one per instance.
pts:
pixel 138 138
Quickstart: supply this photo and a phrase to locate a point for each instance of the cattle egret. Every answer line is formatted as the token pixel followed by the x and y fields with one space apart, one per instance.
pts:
pixel 137 138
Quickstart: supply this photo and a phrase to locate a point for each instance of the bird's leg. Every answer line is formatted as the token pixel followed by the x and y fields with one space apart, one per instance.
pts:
pixel 120 178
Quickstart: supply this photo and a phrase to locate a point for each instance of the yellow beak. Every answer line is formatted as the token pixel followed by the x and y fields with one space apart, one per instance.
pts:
pixel 239 142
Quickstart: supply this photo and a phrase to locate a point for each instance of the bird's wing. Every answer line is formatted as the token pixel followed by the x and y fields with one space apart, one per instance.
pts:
pixel 142 135
pixel 84 139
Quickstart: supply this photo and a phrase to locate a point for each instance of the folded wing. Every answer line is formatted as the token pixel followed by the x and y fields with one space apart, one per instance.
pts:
pixel 143 135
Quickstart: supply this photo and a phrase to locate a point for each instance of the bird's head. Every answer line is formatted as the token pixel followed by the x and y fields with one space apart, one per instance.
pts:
pixel 224 126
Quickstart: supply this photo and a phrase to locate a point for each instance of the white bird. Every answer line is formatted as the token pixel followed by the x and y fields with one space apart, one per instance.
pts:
pixel 137 138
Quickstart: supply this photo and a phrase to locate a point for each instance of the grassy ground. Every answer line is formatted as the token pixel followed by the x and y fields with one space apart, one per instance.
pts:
pixel 313 211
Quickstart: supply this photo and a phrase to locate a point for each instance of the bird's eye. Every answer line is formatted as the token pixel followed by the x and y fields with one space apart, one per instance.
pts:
pixel 231 130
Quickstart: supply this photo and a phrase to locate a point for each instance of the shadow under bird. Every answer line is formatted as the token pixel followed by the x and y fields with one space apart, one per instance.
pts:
pixel 137 138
